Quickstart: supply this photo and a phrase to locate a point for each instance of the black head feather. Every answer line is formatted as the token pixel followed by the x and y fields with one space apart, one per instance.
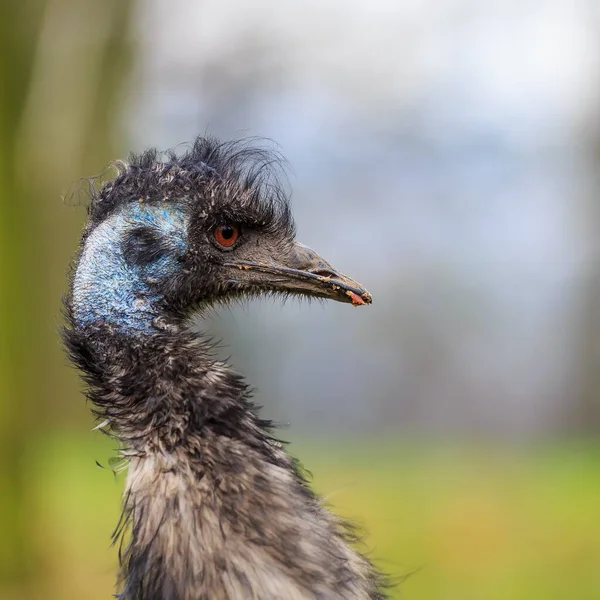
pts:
pixel 217 179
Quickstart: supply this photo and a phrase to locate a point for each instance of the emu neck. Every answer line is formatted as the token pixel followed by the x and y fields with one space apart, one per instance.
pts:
pixel 160 391
pixel 214 506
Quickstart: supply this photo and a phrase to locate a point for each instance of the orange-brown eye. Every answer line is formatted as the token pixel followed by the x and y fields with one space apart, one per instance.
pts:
pixel 227 235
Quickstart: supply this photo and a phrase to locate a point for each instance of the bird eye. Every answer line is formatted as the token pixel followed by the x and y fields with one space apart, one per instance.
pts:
pixel 227 235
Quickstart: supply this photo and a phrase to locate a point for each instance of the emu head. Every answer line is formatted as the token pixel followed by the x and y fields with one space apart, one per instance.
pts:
pixel 167 237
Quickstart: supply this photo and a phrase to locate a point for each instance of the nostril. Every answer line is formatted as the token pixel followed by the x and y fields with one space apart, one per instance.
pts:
pixel 324 273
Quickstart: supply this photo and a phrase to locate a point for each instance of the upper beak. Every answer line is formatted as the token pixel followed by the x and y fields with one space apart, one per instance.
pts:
pixel 303 271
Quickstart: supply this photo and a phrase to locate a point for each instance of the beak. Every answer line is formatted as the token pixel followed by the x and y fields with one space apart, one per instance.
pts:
pixel 303 271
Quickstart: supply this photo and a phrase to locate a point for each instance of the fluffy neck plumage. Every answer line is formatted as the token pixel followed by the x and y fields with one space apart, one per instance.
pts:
pixel 215 507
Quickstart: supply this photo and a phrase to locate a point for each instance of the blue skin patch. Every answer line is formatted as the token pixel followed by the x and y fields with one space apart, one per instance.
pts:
pixel 107 288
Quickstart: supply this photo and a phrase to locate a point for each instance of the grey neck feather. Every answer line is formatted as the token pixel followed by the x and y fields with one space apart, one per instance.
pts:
pixel 214 508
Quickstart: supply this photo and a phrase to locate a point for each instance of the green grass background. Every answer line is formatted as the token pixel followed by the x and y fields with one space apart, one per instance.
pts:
pixel 468 522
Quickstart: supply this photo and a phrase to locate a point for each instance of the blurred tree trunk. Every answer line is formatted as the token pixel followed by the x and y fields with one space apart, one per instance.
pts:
pixel 63 64
pixel 18 35
pixel 586 410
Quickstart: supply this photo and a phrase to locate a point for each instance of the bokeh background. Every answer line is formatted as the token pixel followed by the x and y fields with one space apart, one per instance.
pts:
pixel 443 152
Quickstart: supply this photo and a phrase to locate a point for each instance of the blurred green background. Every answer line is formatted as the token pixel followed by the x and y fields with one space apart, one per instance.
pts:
pixel 446 155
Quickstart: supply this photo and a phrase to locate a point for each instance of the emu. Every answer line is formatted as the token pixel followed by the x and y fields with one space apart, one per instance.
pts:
pixel 213 507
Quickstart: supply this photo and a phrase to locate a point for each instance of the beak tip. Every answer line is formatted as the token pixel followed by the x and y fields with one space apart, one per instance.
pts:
pixel 364 298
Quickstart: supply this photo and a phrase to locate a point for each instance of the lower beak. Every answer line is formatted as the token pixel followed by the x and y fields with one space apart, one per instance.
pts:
pixel 304 272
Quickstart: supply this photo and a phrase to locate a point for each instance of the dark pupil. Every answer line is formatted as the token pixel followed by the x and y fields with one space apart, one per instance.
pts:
pixel 227 232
